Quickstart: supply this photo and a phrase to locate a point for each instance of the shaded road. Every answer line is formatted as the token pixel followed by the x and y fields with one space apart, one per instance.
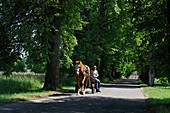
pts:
pixel 123 96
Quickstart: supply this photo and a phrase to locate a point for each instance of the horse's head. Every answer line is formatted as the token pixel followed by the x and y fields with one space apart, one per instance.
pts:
pixel 78 67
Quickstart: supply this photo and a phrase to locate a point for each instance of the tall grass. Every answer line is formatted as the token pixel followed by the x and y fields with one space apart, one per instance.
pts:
pixel 23 86
pixel 20 83
pixel 13 88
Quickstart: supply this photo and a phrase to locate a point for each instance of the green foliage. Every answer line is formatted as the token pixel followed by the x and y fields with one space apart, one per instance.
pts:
pixel 113 35
pixel 68 43
pixel 67 81
pixel 105 80
pixel 163 81
pixel 9 44
pixel 38 28
pixel 36 66
pixel 151 27
pixel 140 81
pixel 66 78
pixel 38 22
pixel 19 66
pixel 104 38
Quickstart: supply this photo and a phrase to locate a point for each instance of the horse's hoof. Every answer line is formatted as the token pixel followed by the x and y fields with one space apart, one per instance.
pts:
pixel 78 93
pixel 83 92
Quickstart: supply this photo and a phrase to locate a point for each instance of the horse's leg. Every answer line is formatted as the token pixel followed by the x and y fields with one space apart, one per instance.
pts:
pixel 89 81
pixel 83 88
pixel 78 85
pixel 86 82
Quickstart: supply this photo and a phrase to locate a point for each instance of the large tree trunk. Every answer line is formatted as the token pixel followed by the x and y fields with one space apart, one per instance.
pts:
pixel 52 75
pixel 151 67
pixel 151 75
pixel 113 72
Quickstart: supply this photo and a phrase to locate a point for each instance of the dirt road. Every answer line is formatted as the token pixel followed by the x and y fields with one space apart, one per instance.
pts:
pixel 124 96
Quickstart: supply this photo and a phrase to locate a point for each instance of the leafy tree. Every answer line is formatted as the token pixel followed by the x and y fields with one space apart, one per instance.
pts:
pixel 20 65
pixel 150 19
pixel 9 45
pixel 102 39
pixel 35 65
pixel 39 27
pixel 114 35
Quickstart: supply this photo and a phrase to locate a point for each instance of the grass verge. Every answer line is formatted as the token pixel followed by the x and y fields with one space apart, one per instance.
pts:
pixel 16 97
pixel 158 98
pixel 25 86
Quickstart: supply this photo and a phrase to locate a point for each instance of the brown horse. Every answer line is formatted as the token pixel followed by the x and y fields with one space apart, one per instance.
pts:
pixel 82 73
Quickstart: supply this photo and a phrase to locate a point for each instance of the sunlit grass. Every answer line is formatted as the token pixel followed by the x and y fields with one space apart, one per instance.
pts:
pixel 25 86
pixel 68 87
pixel 18 84
pixel 158 97
pixel 8 98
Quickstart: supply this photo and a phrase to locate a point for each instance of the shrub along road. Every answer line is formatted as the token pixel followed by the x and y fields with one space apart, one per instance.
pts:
pixel 122 96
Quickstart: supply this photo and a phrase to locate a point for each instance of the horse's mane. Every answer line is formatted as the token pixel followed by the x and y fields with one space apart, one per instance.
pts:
pixel 81 65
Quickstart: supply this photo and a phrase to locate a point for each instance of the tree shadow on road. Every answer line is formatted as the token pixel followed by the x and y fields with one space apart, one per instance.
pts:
pixel 64 94
pixel 123 83
pixel 81 104
pixel 120 86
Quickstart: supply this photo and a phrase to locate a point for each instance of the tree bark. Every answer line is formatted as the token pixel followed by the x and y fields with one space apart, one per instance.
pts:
pixel 52 74
pixel 151 75
pixel 151 67
pixel 113 72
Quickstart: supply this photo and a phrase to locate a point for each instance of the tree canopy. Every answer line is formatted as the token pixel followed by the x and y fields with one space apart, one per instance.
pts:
pixel 114 35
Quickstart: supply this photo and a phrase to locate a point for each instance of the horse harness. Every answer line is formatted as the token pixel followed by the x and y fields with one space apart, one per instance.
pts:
pixel 84 71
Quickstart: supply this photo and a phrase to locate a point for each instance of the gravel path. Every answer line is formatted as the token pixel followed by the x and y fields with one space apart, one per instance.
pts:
pixel 123 96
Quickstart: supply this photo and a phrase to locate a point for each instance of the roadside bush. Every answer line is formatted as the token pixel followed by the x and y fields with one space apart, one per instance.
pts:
pixel 67 81
pixel 111 78
pixel 140 81
pixel 164 81
pixel 105 80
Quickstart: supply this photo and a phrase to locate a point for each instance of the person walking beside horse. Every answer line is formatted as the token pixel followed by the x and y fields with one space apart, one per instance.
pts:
pixel 95 76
